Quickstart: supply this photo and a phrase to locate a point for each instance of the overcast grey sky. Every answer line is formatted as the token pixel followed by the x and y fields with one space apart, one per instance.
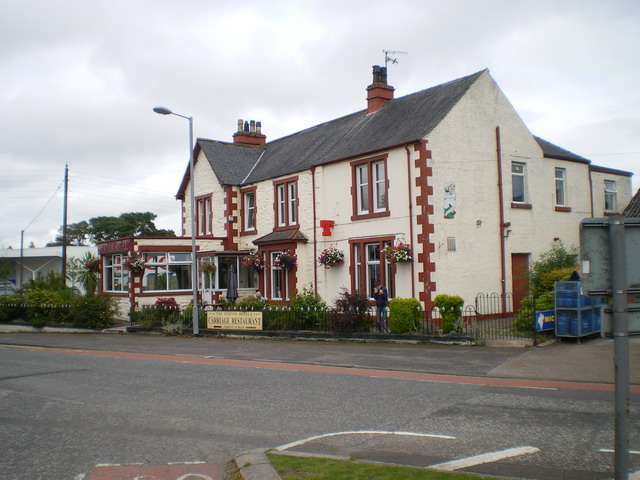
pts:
pixel 79 79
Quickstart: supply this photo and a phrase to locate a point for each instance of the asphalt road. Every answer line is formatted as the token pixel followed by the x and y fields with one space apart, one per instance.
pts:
pixel 75 406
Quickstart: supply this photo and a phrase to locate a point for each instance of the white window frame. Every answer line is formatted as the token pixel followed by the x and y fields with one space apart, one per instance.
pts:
pixel 561 187
pixel 203 209
pixel 522 176
pixel 287 204
pixel 610 196
pixel 113 267
pixel 292 200
pixel 168 260
pixel 362 186
pixel 282 219
pixel 250 211
pixel 379 180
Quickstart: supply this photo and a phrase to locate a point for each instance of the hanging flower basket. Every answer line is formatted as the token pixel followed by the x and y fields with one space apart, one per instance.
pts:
pixel 208 267
pixel 253 260
pixel 400 253
pixel 285 260
pixel 135 263
pixel 330 257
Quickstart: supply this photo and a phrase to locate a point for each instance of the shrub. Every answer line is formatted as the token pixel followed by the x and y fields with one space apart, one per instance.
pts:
pixel 47 306
pixel 450 307
pixel 352 313
pixel 250 304
pixel 11 308
pixel 308 308
pixel 93 311
pixel 51 281
pixel 524 320
pixel 404 315
pixel 546 280
pixel 556 258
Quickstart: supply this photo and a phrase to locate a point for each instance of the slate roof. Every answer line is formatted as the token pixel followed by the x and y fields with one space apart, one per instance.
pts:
pixel 633 209
pixel 282 236
pixel 403 120
pixel 230 162
pixel 400 121
pixel 551 150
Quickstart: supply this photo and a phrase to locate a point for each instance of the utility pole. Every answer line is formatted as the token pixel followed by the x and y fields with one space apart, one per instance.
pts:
pixel 64 224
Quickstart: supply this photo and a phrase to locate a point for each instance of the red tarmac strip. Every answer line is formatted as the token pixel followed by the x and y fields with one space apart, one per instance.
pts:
pixel 364 372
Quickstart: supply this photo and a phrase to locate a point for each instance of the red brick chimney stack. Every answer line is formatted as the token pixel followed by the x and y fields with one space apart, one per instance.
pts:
pixel 378 93
pixel 249 133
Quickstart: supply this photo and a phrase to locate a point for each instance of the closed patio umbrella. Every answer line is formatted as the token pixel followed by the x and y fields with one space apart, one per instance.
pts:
pixel 232 286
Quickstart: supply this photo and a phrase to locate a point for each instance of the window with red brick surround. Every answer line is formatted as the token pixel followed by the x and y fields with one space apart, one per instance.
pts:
pixel 285 203
pixel 248 208
pixel 370 188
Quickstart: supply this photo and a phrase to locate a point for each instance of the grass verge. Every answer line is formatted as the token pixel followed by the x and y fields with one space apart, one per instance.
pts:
pixel 314 468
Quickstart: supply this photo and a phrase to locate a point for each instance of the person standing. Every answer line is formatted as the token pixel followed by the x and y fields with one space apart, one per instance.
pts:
pixel 381 297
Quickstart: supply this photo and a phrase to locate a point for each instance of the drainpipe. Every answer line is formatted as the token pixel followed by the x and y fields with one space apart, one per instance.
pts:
pixel 413 285
pixel 315 229
pixel 503 267
pixel 590 189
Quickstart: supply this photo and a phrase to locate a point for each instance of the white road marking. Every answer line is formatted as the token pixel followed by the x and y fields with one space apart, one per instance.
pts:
pixel 483 458
pixel 361 432
pixel 611 450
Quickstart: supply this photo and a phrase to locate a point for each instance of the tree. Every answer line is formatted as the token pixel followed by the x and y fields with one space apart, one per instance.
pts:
pixel 126 225
pixel 99 229
pixel 77 235
pixel 7 268
pixel 553 265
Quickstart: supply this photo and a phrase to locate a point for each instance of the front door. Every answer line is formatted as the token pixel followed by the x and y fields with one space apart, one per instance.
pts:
pixel 519 278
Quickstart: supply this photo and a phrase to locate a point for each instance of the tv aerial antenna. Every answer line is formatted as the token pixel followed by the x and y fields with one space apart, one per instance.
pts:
pixel 388 59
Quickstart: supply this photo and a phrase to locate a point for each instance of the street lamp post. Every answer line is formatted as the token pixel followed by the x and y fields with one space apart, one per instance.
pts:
pixel 194 263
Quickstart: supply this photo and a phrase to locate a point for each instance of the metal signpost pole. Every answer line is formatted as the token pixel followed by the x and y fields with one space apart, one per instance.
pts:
pixel 620 345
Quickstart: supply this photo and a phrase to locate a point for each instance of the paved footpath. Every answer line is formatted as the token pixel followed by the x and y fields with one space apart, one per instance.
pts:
pixel 590 361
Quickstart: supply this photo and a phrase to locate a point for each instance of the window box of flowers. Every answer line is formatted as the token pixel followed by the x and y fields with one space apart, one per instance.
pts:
pixel 400 253
pixel 135 263
pixel 285 260
pixel 253 260
pixel 330 257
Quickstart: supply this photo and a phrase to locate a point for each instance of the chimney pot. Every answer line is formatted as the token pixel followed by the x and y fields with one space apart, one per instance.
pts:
pixel 378 93
pixel 249 133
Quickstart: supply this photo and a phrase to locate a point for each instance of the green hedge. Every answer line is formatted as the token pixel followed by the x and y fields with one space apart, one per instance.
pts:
pixel 405 315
